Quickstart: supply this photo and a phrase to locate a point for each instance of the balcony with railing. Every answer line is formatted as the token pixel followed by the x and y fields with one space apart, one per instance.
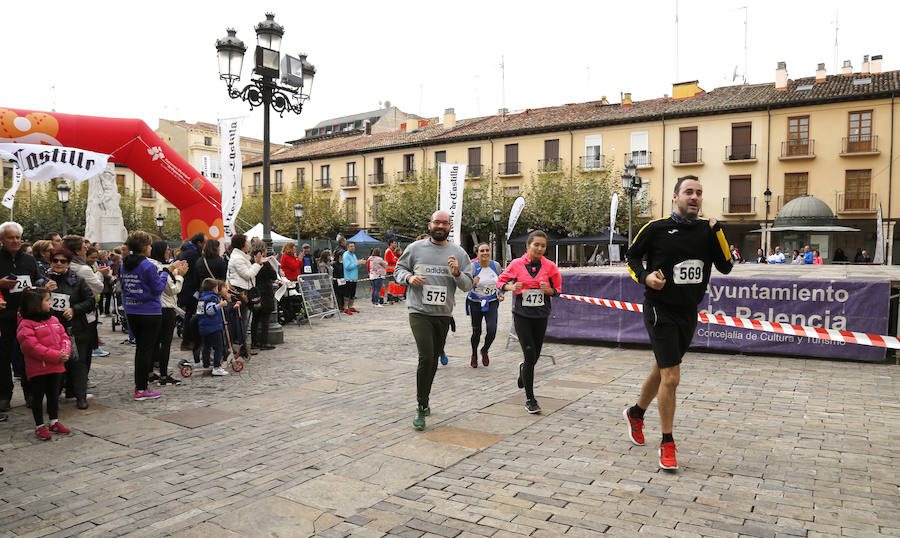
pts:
pixel 782 199
pixel 147 193
pixel 510 169
pixel 857 202
pixel 641 159
pixel 349 182
pixel 687 157
pixel 740 153
pixel 798 148
pixel 739 205
pixel 549 166
pixel 860 145
pixel 324 184
pixel 405 177
pixel 474 171
pixel 376 179
pixel 592 162
pixel 254 190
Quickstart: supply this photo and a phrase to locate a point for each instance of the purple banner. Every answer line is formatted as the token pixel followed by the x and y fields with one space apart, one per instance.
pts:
pixel 853 305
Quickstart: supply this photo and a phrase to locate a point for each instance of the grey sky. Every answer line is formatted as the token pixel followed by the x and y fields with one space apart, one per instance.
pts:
pixel 151 60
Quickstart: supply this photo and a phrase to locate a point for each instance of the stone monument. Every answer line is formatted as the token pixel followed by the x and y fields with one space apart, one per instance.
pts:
pixel 103 219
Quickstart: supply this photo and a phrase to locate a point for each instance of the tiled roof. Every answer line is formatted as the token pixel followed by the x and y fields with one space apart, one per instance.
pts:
pixel 728 99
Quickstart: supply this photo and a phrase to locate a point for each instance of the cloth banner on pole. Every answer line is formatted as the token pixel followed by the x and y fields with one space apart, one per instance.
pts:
pixel 230 169
pixel 10 197
pixel 39 162
pixel 613 209
pixel 514 213
pixel 879 239
pixel 451 189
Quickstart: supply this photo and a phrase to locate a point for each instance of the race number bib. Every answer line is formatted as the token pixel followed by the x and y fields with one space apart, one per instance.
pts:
pixel 486 291
pixel 434 295
pixel 532 298
pixel 59 301
pixel 341 281
pixel 689 272
pixel 200 311
pixel 22 282
pixel 307 269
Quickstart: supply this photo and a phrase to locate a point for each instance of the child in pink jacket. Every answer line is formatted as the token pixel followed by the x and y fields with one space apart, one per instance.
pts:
pixel 46 348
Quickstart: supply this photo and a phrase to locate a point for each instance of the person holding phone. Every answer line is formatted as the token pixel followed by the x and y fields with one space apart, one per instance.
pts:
pixel 21 273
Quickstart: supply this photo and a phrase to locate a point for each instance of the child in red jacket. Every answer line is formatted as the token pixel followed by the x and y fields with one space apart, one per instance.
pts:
pixel 46 348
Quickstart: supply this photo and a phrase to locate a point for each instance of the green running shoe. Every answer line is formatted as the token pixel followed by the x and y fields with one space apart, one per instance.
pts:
pixel 419 421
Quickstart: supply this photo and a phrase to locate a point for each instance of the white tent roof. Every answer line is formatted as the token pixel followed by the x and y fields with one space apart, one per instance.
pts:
pixel 257 231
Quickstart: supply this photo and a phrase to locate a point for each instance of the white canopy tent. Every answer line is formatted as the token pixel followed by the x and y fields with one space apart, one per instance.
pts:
pixel 257 231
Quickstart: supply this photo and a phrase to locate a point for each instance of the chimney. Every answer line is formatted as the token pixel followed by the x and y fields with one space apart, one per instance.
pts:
pixel 781 76
pixel 626 100
pixel 686 90
pixel 865 65
pixel 368 125
pixel 876 64
pixel 502 111
pixel 603 100
pixel 820 73
pixel 449 118
pixel 847 68
pixel 411 124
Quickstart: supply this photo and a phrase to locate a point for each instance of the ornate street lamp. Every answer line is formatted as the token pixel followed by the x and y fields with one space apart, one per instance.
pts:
pixel 497 214
pixel 768 197
pixel 298 212
pixel 159 223
pixel 295 75
pixel 62 194
pixel 631 184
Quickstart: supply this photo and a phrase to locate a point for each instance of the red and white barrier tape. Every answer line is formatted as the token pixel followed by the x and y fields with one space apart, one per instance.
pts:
pixel 850 337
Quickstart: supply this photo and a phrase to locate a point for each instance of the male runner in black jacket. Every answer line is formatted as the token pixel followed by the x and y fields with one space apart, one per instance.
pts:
pixel 680 251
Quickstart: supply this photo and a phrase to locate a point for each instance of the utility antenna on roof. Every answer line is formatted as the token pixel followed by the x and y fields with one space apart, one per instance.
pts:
pixel 835 21
pixel 420 100
pixel 477 96
pixel 588 82
pixel 502 87
pixel 744 75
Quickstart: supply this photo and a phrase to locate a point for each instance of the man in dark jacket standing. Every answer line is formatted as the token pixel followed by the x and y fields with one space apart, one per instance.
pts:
pixel 187 298
pixel 18 271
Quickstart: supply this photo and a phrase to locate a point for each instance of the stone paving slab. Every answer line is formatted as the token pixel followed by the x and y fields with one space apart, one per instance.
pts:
pixel 322 444
pixel 198 416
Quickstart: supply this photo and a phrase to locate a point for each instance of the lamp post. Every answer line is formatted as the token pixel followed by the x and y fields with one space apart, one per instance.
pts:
pixel 62 193
pixel 298 212
pixel 497 214
pixel 294 73
pixel 159 223
pixel 631 184
pixel 768 197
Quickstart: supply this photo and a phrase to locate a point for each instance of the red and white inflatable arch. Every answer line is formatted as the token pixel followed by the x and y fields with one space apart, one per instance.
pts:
pixel 132 143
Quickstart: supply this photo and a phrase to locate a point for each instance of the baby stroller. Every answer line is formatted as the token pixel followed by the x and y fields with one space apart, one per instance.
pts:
pixel 118 313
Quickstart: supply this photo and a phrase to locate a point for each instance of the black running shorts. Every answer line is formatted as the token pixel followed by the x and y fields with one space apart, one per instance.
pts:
pixel 670 333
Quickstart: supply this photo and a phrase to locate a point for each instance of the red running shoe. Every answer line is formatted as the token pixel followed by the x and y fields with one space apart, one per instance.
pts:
pixel 484 357
pixel 42 432
pixel 59 428
pixel 355 311
pixel 348 312
pixel 635 428
pixel 667 456
pixel 474 362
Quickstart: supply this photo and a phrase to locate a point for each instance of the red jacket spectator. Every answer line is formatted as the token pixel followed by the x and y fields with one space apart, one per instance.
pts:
pixel 391 260
pixel 42 339
pixel 290 265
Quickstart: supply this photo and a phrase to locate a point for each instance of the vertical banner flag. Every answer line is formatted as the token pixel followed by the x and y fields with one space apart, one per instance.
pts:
pixel 452 181
pixel 879 239
pixel 613 209
pixel 230 168
pixel 10 197
pixel 514 213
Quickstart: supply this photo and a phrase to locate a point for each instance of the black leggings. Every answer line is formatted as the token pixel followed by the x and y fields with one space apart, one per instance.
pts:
pixel 164 342
pixel 42 386
pixel 530 332
pixel 259 328
pixel 146 335
pixel 490 318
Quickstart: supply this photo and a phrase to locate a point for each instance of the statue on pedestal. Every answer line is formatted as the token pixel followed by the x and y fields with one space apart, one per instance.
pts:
pixel 103 219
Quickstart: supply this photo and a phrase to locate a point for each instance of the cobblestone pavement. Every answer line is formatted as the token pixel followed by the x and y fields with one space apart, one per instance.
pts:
pixel 315 438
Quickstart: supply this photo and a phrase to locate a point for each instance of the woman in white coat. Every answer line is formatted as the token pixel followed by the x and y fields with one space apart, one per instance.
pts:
pixel 241 276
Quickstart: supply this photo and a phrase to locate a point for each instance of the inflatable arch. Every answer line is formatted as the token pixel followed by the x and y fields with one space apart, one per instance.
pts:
pixel 132 143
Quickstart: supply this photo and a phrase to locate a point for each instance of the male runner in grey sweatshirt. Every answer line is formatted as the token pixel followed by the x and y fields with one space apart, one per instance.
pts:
pixel 433 269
